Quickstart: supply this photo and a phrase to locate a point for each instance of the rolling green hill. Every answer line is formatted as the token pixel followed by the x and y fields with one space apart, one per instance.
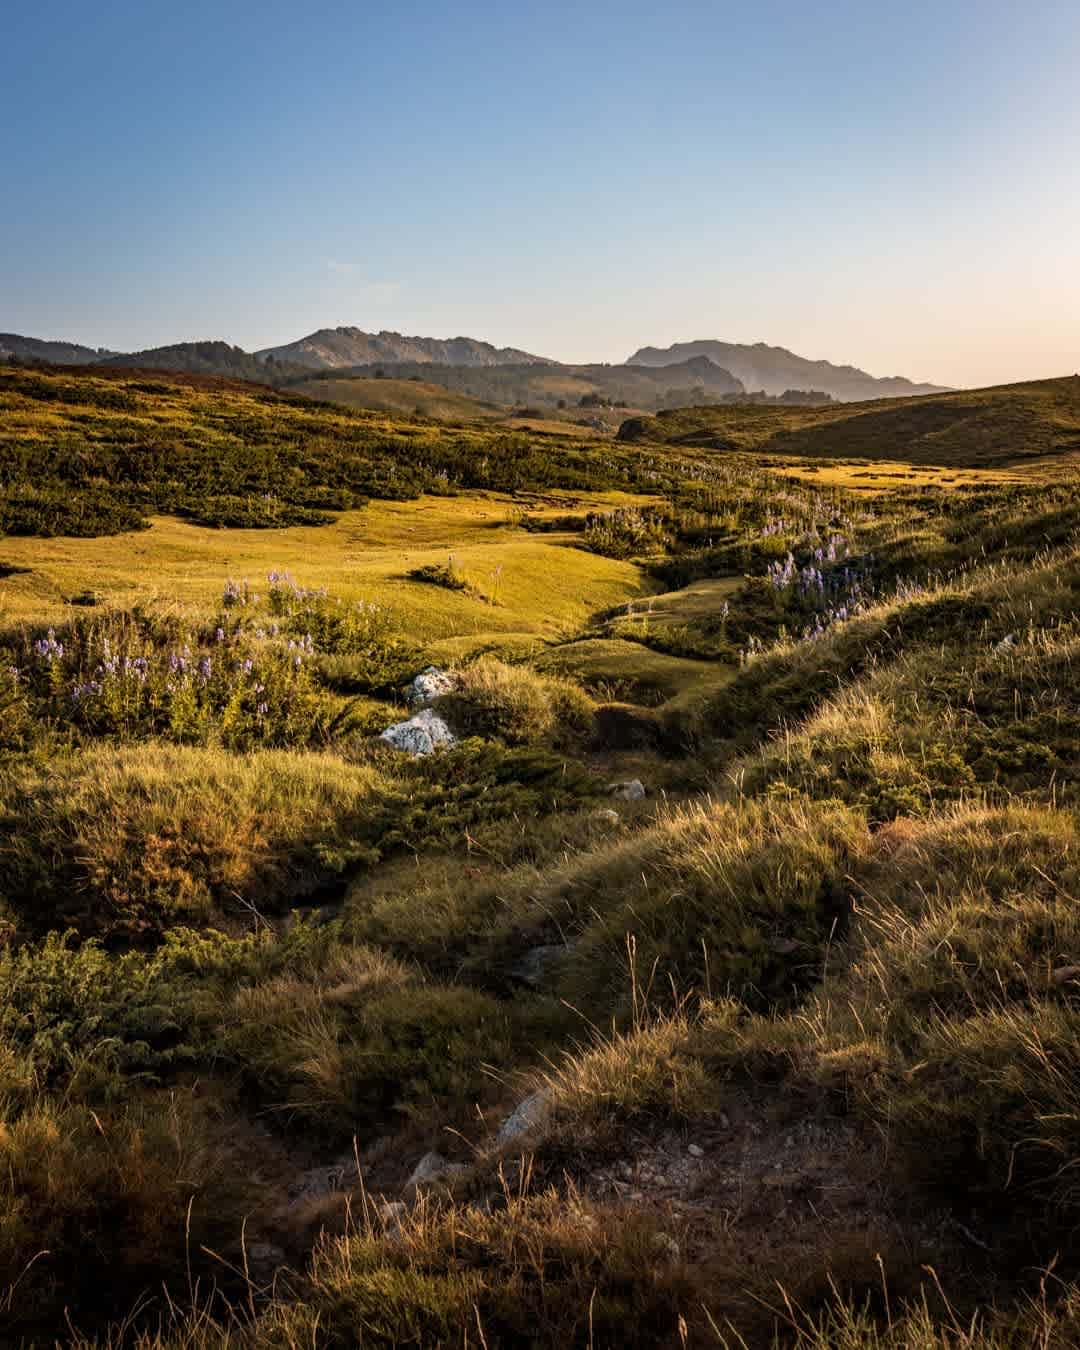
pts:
pixel 411 397
pixel 1003 425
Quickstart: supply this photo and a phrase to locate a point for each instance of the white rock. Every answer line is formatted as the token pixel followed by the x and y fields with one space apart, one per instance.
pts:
pixel 525 1117
pixel 605 813
pixel 430 684
pixel 432 1169
pixel 631 791
pixel 420 735
pixel 695 1151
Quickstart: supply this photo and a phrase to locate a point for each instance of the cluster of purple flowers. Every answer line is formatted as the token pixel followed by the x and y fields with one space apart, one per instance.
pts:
pixel 854 604
pixel 48 649
pixel 834 549
pixel 301 647
pixel 238 593
pixel 782 574
pixel 284 582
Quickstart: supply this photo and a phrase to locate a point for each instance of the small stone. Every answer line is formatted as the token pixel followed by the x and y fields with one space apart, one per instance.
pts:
pixel 525 1117
pixel 630 791
pixel 534 965
pixel 434 1169
pixel 607 815
pixel 695 1150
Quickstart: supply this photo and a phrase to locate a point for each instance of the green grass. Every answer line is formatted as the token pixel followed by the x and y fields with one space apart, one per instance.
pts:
pixel 545 585
pixel 125 841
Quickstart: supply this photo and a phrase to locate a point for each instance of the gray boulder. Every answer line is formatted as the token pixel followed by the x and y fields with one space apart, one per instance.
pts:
pixel 421 734
pixel 631 791
pixel 430 684
pixel 264 1259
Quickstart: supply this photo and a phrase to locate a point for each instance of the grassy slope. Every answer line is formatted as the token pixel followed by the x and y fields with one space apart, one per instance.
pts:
pixel 1004 425
pixel 847 946
pixel 404 397
pixel 546 586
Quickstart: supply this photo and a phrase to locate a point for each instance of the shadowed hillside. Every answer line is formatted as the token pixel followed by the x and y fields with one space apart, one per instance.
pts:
pixel 1007 424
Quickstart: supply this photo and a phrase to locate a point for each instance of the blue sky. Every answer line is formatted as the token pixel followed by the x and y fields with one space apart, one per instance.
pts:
pixel 894 186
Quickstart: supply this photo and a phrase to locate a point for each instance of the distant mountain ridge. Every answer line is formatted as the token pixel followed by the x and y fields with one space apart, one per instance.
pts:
pixel 195 358
pixel 55 353
pixel 775 369
pixel 699 370
pixel 338 348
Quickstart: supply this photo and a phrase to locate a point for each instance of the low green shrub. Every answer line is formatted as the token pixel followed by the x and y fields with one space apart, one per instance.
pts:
pixel 123 842
pixel 739 899
pixel 516 705
pixel 353 1042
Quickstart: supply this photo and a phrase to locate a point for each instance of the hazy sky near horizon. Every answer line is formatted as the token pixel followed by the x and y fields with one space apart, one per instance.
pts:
pixel 893 186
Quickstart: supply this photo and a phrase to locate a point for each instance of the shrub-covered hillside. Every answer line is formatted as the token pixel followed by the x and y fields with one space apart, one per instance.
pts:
pixel 92 452
pixel 715 981
pixel 1008 424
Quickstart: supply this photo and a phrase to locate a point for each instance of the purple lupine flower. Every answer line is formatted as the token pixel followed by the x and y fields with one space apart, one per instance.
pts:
pixel 204 669
pixel 219 635
pixel 48 648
